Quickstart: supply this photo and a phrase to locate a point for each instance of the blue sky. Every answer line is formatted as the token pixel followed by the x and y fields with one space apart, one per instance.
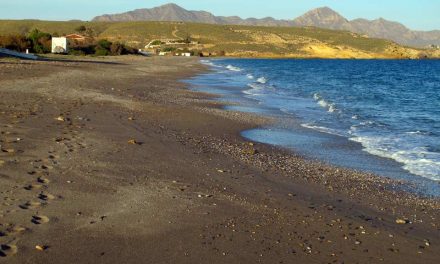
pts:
pixel 416 14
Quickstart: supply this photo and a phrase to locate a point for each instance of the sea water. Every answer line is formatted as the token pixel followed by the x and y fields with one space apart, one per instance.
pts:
pixel 380 116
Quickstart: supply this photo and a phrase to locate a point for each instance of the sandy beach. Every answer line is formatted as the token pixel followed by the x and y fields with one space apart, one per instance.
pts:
pixel 114 160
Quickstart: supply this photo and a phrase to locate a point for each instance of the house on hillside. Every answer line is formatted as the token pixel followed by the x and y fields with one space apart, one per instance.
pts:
pixel 60 45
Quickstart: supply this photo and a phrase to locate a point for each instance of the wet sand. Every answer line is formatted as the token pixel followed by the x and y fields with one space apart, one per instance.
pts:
pixel 117 162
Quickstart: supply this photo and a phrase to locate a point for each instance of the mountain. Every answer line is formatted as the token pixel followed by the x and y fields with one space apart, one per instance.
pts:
pixel 173 12
pixel 321 18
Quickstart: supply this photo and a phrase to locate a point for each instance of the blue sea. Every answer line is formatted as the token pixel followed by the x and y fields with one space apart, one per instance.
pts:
pixel 380 116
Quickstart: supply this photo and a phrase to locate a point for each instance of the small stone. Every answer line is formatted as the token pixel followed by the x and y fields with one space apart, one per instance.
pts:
pixel 402 221
pixel 41 247
pixel 134 142
pixel 60 118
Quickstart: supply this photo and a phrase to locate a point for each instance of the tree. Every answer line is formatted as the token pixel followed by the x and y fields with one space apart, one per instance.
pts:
pixel 41 41
pixel 81 29
pixel 187 39
pixel 103 47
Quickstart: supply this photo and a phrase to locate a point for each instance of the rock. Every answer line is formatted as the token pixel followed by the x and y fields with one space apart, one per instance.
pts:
pixel 60 118
pixel 402 221
pixel 41 247
pixel 427 243
pixel 134 142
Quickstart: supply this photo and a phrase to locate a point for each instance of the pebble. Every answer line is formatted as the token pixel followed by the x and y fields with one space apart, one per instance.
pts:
pixel 402 221
pixel 41 247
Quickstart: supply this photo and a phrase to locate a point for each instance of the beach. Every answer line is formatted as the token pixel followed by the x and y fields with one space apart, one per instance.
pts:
pixel 115 160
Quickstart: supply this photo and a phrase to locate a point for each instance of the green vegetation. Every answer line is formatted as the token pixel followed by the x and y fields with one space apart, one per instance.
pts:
pixel 169 49
pixel 156 42
pixel 232 39
pixel 40 42
pixel 36 41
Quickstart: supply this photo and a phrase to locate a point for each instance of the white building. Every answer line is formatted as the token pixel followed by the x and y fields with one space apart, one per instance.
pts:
pixel 60 45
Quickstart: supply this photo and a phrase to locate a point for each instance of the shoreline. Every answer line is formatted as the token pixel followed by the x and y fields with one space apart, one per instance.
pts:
pixel 233 94
pixel 214 195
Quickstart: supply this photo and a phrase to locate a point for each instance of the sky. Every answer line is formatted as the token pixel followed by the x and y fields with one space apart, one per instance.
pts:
pixel 415 14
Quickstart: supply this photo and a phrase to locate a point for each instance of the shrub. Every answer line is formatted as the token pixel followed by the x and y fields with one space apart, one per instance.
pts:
pixel 15 42
pixel 168 49
pixel 156 42
pixel 41 41
pixel 81 29
pixel 116 49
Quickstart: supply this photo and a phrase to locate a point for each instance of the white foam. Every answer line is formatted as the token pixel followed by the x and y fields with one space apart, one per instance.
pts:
pixel 250 76
pixel 262 80
pixel 233 68
pixel 256 89
pixel 210 63
pixel 323 129
pixel 416 160
pixel 324 104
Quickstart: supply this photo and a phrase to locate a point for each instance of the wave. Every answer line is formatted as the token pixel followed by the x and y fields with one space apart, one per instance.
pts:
pixel 262 80
pixel 324 129
pixel 233 68
pixel 417 160
pixel 331 108
pixel 250 76
pixel 256 89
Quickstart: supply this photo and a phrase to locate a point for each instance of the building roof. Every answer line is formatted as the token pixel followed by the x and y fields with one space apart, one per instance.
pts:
pixel 75 36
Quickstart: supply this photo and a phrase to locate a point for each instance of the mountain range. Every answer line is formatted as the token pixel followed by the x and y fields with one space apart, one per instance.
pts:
pixel 321 18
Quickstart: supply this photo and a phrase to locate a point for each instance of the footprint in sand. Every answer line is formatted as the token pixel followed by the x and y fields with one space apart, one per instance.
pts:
pixel 8 150
pixel 15 230
pixel 7 250
pixel 53 157
pixel 30 205
pixel 46 167
pixel 31 187
pixel 43 180
pixel 46 196
pixel 39 219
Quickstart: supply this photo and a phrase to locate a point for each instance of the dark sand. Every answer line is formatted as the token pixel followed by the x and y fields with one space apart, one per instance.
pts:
pixel 120 163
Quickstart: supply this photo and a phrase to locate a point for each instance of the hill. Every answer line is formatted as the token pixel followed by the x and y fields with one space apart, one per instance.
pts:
pixel 320 17
pixel 241 41
pixel 173 12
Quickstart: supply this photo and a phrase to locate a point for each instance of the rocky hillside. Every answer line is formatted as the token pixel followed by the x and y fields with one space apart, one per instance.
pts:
pixel 173 12
pixel 231 40
pixel 320 17
pixel 379 28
